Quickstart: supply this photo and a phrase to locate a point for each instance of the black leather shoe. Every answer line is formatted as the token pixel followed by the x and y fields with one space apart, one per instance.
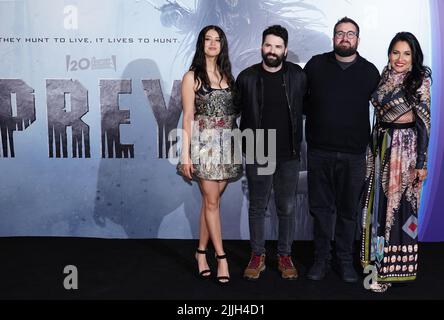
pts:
pixel 318 270
pixel 347 272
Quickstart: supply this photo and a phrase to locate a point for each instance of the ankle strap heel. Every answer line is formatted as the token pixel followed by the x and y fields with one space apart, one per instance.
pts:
pixel 222 280
pixel 204 274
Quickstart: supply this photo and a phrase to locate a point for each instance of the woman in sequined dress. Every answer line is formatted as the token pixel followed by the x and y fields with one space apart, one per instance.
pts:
pixel 396 165
pixel 209 152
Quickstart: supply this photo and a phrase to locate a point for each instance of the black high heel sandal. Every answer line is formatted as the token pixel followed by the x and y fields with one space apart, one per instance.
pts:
pixel 222 280
pixel 204 274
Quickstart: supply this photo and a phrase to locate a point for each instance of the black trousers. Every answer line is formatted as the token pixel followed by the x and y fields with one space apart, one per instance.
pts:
pixel 335 182
pixel 285 183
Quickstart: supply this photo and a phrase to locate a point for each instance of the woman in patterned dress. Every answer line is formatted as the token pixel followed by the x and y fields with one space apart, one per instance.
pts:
pixel 210 156
pixel 396 165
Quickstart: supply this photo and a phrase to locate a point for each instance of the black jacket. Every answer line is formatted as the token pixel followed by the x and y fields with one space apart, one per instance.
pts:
pixel 249 99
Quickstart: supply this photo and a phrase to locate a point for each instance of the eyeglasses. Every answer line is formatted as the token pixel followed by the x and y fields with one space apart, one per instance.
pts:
pixel 342 34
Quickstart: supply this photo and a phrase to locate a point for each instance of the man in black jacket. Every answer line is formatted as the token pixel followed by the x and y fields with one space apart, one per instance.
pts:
pixel 340 84
pixel 270 96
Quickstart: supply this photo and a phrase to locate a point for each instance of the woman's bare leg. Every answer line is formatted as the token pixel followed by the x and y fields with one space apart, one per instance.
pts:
pixel 211 191
pixel 203 241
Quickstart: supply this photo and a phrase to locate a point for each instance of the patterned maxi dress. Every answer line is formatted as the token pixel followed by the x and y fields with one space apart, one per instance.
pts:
pixel 392 194
pixel 215 149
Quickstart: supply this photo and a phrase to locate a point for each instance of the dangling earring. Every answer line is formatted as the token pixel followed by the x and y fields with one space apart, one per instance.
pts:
pixel 410 68
pixel 389 66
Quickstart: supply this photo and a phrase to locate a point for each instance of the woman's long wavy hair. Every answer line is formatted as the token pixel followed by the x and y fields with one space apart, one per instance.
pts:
pixel 198 65
pixel 419 72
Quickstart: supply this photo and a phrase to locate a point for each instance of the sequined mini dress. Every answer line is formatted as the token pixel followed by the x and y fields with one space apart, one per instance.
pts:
pixel 215 148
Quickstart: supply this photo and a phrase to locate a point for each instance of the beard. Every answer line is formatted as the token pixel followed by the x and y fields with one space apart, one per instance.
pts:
pixel 345 52
pixel 270 62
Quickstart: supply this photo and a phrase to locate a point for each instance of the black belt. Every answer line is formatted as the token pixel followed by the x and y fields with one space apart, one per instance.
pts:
pixel 394 125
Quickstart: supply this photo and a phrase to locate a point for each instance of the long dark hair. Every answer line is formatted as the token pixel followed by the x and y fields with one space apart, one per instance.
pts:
pixel 198 65
pixel 419 72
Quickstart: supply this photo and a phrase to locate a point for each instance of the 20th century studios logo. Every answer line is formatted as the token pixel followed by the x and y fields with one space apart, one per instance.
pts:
pixel 80 64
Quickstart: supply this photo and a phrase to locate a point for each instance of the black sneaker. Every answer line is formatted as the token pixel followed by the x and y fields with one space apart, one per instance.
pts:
pixel 318 270
pixel 347 272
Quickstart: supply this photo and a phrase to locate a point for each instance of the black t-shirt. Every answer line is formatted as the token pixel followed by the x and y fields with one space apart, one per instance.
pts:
pixel 275 113
pixel 345 65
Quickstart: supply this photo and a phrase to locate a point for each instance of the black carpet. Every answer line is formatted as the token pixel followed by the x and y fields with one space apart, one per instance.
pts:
pixel 32 268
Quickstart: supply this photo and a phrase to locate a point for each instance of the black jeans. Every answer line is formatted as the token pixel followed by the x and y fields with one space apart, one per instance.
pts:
pixel 335 182
pixel 284 182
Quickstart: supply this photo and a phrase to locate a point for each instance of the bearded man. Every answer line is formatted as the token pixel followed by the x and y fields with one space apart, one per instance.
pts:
pixel 270 97
pixel 340 84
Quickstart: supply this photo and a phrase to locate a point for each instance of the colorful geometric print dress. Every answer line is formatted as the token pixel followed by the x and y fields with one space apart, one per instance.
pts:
pixel 392 195
pixel 215 149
